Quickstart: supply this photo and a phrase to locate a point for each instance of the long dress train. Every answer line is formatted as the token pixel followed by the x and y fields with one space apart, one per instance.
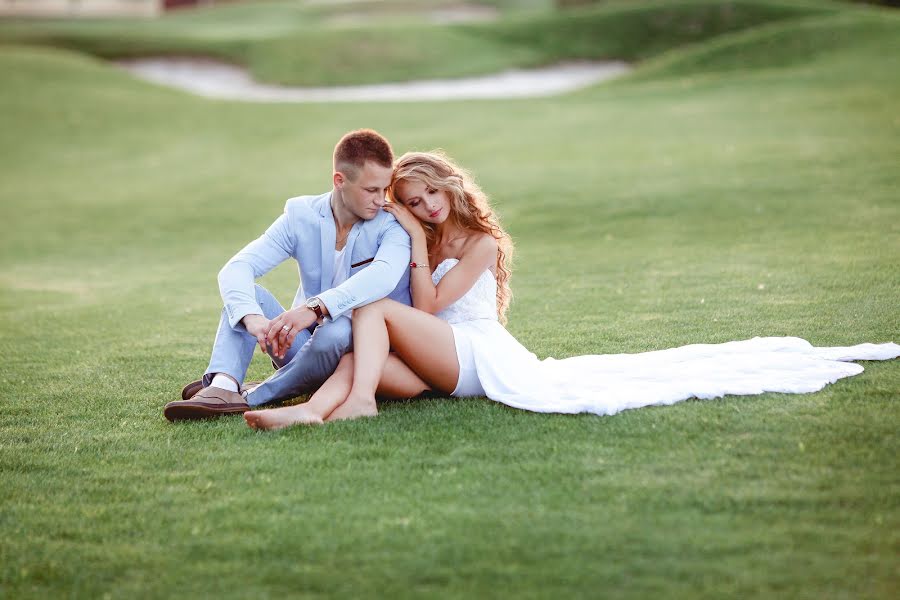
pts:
pixel 494 364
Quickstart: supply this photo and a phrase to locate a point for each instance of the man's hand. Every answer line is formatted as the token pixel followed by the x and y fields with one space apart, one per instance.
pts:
pixel 285 327
pixel 257 326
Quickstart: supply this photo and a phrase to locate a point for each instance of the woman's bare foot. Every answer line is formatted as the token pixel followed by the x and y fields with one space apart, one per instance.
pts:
pixel 353 408
pixel 279 418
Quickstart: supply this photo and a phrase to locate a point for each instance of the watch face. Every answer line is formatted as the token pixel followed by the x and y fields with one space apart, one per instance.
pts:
pixel 313 303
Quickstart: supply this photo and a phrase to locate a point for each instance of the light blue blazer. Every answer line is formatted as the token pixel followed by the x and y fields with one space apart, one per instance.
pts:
pixel 379 258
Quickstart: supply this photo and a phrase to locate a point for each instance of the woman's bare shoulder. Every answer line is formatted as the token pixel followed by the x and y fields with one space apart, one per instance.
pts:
pixel 481 247
pixel 480 242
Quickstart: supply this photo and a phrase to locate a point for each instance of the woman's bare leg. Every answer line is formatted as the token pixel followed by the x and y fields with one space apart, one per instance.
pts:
pixel 427 358
pixel 397 381
pixel 329 403
pixel 312 412
pixel 421 340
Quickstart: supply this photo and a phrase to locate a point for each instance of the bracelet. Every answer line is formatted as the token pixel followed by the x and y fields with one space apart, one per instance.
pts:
pixel 415 265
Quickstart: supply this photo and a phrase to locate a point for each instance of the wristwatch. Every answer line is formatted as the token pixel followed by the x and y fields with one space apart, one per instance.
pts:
pixel 315 305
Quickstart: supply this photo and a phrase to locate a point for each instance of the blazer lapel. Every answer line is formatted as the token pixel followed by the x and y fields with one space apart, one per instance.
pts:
pixel 351 240
pixel 328 235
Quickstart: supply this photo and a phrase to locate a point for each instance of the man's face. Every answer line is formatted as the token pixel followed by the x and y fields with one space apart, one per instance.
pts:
pixel 365 196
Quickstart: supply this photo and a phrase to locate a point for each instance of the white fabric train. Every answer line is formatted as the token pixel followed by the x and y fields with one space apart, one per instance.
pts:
pixel 494 364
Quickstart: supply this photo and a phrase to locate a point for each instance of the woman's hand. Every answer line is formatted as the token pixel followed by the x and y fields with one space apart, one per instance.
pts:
pixel 407 220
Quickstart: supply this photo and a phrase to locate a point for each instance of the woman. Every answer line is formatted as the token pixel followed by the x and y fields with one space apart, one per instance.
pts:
pixel 452 340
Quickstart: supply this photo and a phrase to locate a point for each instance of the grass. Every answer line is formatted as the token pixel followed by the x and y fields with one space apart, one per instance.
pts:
pixel 702 199
pixel 290 43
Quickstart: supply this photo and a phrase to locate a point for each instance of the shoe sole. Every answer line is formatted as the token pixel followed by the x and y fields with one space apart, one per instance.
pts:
pixel 183 411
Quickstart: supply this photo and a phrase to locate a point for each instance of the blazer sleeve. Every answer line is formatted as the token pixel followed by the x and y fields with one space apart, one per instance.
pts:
pixel 375 281
pixel 238 276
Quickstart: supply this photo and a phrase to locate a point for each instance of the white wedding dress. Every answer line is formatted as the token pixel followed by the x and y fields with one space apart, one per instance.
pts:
pixel 493 364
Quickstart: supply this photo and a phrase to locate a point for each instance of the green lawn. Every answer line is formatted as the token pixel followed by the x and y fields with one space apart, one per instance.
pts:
pixel 743 185
pixel 291 43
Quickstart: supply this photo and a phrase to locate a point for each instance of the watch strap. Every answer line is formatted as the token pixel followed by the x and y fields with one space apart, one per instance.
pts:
pixel 315 305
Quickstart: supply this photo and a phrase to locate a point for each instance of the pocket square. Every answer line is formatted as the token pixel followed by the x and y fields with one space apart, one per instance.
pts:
pixel 362 262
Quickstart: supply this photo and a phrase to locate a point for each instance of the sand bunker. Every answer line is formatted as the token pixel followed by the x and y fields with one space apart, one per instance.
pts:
pixel 213 79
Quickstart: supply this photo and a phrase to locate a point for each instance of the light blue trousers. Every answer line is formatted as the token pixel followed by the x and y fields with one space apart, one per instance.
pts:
pixel 310 360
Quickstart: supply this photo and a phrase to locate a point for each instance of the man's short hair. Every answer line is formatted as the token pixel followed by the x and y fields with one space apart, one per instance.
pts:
pixel 357 147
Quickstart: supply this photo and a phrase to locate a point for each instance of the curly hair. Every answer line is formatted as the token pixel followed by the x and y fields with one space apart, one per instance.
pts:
pixel 469 207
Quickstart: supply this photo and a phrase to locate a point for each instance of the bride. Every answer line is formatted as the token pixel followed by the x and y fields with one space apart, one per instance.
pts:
pixel 452 340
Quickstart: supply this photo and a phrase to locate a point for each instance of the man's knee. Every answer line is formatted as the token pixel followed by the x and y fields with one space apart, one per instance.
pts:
pixel 334 336
pixel 269 304
pixel 262 294
pixel 321 355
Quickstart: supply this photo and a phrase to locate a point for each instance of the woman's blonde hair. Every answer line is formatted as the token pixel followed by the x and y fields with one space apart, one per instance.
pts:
pixel 469 206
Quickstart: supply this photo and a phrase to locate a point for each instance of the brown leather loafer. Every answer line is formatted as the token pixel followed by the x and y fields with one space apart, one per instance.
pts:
pixel 208 402
pixel 188 391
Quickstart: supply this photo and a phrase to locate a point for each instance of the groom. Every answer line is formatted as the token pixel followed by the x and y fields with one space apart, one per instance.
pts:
pixel 350 253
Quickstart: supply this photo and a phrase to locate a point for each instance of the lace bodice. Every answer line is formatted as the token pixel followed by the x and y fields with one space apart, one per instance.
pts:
pixel 480 302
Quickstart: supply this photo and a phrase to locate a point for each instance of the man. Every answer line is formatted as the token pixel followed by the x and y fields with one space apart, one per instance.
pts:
pixel 350 253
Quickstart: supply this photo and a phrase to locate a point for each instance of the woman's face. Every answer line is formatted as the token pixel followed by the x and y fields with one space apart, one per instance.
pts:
pixel 426 203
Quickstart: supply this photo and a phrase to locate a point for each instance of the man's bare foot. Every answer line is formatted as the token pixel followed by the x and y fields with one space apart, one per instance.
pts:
pixel 353 408
pixel 279 418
